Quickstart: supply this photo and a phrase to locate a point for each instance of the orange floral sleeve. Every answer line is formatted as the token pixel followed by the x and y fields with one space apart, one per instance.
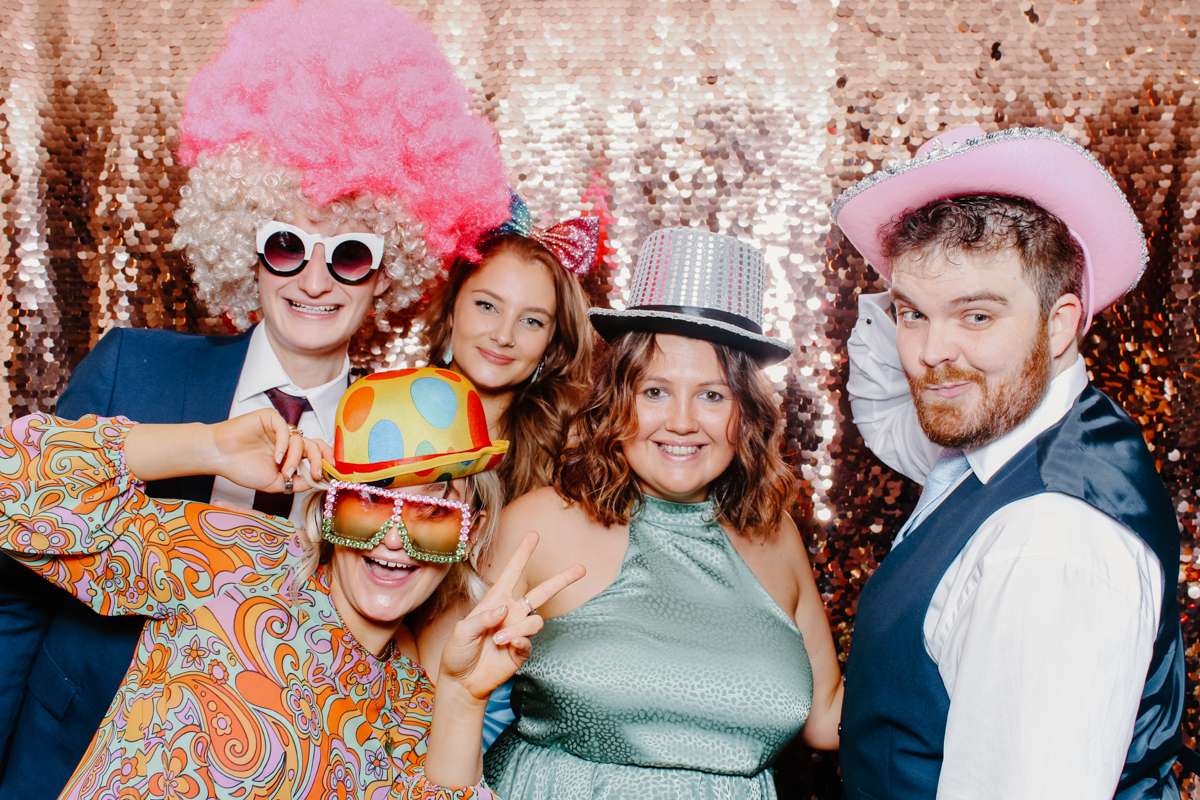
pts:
pixel 70 511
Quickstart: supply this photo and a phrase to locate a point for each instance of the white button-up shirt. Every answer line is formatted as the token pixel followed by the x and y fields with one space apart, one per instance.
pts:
pixel 260 372
pixel 1043 626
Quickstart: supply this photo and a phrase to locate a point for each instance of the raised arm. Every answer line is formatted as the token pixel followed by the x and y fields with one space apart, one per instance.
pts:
pixel 879 397
pixel 73 511
pixel 485 650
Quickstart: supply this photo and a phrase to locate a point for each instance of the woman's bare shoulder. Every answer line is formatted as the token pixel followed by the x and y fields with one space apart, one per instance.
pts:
pixel 543 501
pixel 543 511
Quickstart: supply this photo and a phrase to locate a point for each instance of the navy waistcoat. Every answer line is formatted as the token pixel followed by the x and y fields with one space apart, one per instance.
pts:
pixel 894 716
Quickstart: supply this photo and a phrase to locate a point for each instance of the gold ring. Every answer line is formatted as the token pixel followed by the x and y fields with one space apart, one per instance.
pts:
pixel 294 431
pixel 287 485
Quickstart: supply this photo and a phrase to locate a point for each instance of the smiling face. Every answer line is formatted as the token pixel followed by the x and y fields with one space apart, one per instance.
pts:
pixel 374 590
pixel 686 414
pixel 503 319
pixel 311 315
pixel 978 354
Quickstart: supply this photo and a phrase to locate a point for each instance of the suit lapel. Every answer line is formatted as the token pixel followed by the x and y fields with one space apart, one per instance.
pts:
pixel 213 378
pixel 208 395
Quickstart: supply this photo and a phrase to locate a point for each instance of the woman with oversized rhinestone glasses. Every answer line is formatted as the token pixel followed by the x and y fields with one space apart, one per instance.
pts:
pixel 272 658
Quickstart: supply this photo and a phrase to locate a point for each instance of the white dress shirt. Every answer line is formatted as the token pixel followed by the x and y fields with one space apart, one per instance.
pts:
pixel 1043 626
pixel 260 372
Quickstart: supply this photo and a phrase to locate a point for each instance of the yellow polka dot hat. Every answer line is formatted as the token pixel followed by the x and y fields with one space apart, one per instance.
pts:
pixel 412 425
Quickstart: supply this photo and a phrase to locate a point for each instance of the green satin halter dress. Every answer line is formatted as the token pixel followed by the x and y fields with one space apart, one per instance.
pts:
pixel 682 679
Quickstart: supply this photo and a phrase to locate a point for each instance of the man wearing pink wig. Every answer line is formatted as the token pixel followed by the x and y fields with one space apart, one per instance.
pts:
pixel 1021 640
pixel 334 168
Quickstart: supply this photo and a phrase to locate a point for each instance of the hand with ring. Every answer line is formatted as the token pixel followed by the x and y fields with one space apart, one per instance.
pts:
pixel 261 451
pixel 491 644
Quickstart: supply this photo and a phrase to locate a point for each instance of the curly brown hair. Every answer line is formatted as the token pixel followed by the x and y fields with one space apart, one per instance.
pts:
pixel 1051 260
pixel 536 420
pixel 751 495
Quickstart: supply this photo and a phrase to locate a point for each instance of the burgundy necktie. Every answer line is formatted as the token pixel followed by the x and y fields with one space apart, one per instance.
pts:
pixel 290 408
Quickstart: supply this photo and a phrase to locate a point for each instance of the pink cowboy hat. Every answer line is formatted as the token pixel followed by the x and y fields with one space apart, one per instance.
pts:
pixel 1035 163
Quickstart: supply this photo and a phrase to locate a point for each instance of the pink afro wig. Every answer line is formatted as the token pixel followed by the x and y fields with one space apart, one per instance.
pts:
pixel 359 97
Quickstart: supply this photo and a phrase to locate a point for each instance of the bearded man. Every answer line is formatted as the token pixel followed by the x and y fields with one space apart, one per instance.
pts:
pixel 1022 639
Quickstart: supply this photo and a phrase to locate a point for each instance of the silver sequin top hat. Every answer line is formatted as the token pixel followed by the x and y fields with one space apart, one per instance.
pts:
pixel 691 282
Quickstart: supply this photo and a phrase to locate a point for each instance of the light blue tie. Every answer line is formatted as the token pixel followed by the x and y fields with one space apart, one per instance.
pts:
pixel 951 466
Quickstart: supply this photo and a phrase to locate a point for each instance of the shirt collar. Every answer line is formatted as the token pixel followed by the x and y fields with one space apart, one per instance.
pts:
pixel 263 371
pixel 1064 390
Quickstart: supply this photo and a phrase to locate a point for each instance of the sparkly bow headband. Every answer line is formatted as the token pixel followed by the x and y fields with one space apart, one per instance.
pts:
pixel 573 242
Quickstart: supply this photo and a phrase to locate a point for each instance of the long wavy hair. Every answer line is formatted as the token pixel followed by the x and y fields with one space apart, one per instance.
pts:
pixel 751 495
pixel 484 494
pixel 535 422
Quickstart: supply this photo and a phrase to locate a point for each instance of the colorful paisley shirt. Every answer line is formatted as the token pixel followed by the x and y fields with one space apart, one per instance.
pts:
pixel 244 685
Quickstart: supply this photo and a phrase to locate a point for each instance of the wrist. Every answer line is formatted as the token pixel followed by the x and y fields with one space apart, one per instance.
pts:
pixel 203 451
pixel 458 696
pixel 455 753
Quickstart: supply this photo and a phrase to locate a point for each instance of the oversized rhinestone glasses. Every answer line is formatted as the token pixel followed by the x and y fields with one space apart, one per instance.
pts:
pixel 432 529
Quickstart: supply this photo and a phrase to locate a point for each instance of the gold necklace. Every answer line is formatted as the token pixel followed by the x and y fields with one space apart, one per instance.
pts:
pixel 389 649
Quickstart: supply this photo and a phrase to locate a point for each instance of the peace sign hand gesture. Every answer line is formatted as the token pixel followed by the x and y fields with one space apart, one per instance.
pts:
pixel 491 644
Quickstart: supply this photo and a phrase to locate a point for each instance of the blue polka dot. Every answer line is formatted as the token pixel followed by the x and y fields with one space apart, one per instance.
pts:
pixel 386 442
pixel 426 448
pixel 435 401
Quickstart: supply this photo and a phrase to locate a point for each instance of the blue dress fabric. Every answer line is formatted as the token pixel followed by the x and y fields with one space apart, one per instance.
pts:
pixel 684 678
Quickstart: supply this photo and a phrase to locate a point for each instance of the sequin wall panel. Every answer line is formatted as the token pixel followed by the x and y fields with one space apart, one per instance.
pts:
pixel 745 118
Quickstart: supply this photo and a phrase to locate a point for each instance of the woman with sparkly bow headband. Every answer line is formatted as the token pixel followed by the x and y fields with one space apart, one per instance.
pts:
pixel 273 666
pixel 697 645
pixel 515 323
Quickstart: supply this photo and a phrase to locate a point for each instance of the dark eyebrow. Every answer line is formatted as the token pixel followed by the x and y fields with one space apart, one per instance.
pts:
pixel 982 297
pixel 492 294
pixel 660 379
pixel 965 300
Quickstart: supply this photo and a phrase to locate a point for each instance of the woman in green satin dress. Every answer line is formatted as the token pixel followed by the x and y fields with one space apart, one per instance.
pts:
pixel 697 645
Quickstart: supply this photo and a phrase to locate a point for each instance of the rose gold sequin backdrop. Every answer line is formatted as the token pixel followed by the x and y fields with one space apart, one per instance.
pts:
pixel 743 117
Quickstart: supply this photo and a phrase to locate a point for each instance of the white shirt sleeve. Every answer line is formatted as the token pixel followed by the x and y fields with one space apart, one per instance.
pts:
pixel 879 397
pixel 1042 630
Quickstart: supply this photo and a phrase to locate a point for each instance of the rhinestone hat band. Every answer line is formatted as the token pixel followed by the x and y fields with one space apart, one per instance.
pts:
pixel 940 152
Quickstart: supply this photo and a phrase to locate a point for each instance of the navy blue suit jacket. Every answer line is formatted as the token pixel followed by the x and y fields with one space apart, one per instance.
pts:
pixel 60 663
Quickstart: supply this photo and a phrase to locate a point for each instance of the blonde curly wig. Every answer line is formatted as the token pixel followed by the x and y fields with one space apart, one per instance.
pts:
pixel 230 193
